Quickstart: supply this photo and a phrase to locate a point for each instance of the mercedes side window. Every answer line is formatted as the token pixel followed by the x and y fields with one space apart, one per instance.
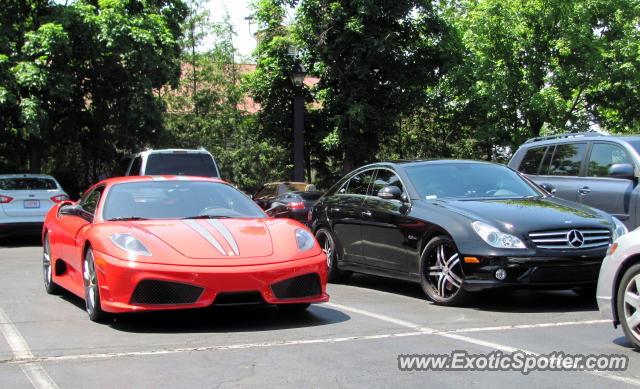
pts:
pixel 386 178
pixel 532 160
pixel 603 155
pixel 567 159
pixel 360 183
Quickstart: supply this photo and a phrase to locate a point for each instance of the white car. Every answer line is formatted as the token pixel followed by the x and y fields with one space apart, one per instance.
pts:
pixel 618 292
pixel 179 162
pixel 25 200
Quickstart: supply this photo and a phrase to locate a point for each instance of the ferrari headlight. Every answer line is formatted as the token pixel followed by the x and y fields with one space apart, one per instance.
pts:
pixel 619 228
pixel 130 243
pixel 497 238
pixel 305 240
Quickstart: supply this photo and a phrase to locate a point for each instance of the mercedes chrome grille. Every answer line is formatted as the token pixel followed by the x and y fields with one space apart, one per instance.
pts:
pixel 577 238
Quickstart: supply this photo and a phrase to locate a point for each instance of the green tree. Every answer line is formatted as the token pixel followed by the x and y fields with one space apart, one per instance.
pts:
pixel 79 80
pixel 207 108
pixel 544 66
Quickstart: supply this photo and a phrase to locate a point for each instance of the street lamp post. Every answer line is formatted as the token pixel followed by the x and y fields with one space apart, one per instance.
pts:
pixel 297 77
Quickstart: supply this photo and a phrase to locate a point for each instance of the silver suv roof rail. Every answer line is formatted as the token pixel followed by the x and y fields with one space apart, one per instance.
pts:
pixel 565 135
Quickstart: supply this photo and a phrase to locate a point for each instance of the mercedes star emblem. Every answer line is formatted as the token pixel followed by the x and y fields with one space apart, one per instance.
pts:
pixel 575 238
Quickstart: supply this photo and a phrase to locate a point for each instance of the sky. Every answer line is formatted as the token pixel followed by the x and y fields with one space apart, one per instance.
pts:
pixel 238 10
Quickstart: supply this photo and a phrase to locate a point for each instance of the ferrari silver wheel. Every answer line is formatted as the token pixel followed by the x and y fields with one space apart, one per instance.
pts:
pixel 91 288
pixel 47 268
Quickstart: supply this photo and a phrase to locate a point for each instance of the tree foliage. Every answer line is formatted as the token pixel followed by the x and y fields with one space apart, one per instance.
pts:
pixel 78 81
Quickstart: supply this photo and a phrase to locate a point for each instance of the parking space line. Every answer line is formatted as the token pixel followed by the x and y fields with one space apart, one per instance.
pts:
pixel 479 342
pixel 213 348
pixel 21 352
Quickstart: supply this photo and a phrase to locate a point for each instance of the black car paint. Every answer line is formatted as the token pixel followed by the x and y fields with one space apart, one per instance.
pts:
pixel 386 237
pixel 280 209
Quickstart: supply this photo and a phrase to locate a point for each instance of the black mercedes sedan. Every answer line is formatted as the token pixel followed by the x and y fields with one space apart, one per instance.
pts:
pixel 458 227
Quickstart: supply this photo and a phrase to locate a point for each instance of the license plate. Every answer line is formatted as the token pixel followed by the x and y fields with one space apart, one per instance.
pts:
pixel 32 203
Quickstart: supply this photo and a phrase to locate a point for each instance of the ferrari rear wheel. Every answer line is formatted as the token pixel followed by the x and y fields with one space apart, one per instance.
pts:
pixel 441 273
pixel 298 307
pixel 91 288
pixel 47 268
pixel 328 244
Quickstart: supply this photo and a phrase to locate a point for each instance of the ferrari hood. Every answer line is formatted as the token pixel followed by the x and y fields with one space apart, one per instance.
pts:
pixel 213 238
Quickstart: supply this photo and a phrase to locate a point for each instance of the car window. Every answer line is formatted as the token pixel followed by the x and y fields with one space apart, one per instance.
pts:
pixel 294 187
pixel 384 178
pixel 269 190
pixel 468 181
pixel 360 183
pixel 89 202
pixel 177 200
pixel 27 183
pixel 603 155
pixel 567 159
pixel 135 167
pixel 189 164
pixel 532 160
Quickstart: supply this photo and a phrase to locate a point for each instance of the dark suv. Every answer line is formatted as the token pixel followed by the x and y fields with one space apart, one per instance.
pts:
pixel 598 170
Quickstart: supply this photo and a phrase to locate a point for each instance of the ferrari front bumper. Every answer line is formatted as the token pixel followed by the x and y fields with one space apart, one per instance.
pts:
pixel 127 286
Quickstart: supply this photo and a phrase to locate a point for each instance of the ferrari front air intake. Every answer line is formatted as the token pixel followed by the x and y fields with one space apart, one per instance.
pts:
pixel 157 292
pixel 307 285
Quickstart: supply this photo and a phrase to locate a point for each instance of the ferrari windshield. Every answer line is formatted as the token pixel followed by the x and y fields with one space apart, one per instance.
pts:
pixel 177 200
pixel 468 181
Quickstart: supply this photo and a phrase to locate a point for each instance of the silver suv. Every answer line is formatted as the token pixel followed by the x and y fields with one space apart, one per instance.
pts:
pixel 598 170
pixel 179 162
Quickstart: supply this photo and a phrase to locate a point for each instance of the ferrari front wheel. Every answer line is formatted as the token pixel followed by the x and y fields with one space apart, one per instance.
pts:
pixel 91 288
pixel 47 268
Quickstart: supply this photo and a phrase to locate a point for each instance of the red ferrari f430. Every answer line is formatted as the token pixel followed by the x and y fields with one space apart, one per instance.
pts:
pixel 170 242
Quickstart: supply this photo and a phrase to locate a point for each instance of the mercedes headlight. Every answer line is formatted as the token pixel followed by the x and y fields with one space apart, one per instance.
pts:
pixel 619 228
pixel 497 238
pixel 304 239
pixel 130 243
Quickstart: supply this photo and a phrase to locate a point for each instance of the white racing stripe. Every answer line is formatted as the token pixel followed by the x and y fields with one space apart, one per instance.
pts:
pixel 225 232
pixel 205 234
pixel 479 342
pixel 21 352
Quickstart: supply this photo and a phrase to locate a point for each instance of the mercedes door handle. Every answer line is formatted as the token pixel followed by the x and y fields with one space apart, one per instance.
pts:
pixel 585 190
pixel 366 213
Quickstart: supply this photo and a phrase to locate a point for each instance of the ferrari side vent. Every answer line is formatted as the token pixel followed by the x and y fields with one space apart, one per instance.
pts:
pixel 307 285
pixel 157 292
pixel 238 298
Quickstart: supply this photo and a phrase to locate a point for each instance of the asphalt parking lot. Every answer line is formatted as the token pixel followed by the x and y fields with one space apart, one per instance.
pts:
pixel 352 341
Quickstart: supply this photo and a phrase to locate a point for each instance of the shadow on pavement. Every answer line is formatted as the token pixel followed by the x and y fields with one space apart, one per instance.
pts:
pixel 218 319
pixel 32 240
pixel 499 300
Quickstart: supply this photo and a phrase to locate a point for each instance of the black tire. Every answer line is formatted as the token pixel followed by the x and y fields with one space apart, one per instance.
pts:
pixel 628 304
pixel 441 272
pixel 328 244
pixel 47 268
pixel 297 307
pixel 91 288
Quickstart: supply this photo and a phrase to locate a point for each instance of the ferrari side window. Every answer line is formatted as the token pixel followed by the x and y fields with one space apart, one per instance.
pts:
pixel 89 202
